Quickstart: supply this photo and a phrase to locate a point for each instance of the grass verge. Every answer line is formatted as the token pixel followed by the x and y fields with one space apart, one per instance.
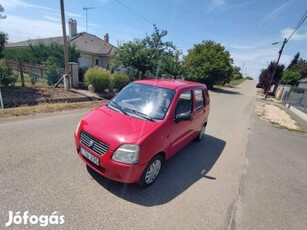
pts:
pixel 47 108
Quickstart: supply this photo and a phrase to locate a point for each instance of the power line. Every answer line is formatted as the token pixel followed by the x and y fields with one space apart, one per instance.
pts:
pixel 298 25
pixel 148 21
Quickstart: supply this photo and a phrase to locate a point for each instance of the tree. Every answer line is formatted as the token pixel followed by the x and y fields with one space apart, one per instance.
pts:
pixel 266 74
pixel 290 77
pixel 172 66
pixel 145 55
pixel 294 60
pixel 38 53
pixel 3 40
pixel 209 63
pixel 236 73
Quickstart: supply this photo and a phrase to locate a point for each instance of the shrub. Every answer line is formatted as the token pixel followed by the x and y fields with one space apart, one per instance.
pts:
pixel 7 77
pixel 120 80
pixel 99 78
pixel 249 78
pixel 34 77
pixel 53 70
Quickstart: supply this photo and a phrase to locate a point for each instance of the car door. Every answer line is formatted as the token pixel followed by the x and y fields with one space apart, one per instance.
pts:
pixel 182 132
pixel 199 113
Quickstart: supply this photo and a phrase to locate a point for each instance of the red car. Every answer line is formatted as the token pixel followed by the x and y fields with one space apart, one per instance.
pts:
pixel 146 123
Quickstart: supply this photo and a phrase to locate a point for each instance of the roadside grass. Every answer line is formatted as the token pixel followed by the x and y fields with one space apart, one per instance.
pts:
pixel 231 84
pixel 48 108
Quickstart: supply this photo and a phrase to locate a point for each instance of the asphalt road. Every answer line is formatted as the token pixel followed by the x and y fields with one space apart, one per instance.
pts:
pixel 198 188
pixel 274 183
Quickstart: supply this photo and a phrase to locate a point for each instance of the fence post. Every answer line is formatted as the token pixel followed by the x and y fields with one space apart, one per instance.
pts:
pixel 21 75
pixel 1 100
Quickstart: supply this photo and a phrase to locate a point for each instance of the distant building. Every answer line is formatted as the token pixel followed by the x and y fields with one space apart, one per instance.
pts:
pixel 93 50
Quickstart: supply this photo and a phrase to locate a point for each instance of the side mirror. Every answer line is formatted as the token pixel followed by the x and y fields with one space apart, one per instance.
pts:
pixel 183 117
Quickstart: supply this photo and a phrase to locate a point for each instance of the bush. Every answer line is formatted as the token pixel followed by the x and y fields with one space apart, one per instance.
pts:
pixel 7 77
pixel 53 70
pixel 34 77
pixel 120 80
pixel 99 78
pixel 249 78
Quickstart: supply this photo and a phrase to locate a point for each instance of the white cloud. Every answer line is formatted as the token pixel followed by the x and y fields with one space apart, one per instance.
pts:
pixel 15 27
pixel 22 4
pixel 285 33
pixel 216 4
pixel 278 10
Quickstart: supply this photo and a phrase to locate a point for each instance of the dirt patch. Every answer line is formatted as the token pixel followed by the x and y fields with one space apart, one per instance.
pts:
pixel 276 116
pixel 20 96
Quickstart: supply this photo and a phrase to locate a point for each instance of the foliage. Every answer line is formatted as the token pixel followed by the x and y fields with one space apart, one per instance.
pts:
pixel 7 77
pixel 38 53
pixel 82 71
pixel 99 78
pixel 290 77
pixel 294 60
pixel 266 75
pixel 236 73
pixel 34 77
pixel 145 55
pixel 3 39
pixel 171 65
pixel 209 63
pixel 249 78
pixel 53 71
pixel 120 80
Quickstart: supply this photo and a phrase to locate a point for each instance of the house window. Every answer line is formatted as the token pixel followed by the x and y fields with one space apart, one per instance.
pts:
pixel 97 62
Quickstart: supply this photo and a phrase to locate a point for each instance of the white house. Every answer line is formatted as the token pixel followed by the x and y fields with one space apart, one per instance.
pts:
pixel 93 50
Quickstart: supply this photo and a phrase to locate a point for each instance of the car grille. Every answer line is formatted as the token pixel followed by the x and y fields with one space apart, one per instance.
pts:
pixel 94 144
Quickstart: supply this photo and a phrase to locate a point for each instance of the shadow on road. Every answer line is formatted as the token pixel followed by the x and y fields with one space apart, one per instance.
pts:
pixel 225 91
pixel 179 173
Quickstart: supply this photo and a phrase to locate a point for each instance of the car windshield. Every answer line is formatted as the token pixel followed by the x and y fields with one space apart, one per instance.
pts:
pixel 143 101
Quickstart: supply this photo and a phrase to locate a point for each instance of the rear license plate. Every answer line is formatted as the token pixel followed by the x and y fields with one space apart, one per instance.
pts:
pixel 89 156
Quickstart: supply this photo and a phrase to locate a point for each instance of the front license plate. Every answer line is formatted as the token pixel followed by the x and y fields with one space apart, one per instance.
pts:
pixel 89 156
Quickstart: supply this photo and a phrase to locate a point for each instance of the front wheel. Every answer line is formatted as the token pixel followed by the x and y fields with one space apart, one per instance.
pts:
pixel 151 172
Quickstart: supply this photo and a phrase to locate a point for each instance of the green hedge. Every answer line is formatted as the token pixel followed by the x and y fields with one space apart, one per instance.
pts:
pixel 99 78
pixel 120 80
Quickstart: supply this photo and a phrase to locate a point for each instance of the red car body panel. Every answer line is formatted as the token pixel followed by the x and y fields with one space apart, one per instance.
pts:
pixel 165 137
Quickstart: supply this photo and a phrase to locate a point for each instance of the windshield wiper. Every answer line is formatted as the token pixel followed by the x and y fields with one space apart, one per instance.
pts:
pixel 142 115
pixel 117 106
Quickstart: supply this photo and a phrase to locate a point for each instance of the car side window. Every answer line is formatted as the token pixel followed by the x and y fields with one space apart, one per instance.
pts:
pixel 199 98
pixel 184 104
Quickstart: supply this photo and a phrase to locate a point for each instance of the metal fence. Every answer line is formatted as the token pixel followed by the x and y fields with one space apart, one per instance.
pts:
pixel 296 98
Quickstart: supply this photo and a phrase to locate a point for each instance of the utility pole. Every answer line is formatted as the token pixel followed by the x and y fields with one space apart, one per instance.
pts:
pixel 65 46
pixel 86 9
pixel 276 64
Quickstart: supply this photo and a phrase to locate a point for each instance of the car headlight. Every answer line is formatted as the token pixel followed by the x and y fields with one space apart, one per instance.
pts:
pixel 77 128
pixel 127 153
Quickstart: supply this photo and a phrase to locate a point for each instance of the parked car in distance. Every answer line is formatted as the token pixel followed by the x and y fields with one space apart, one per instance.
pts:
pixel 147 122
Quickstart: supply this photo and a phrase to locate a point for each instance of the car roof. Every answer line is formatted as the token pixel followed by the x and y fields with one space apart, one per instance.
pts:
pixel 170 83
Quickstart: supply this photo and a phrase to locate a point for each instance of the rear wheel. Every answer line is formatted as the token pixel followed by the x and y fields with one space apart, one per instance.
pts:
pixel 151 172
pixel 201 133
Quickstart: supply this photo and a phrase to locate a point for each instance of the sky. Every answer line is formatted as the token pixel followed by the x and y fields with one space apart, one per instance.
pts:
pixel 246 28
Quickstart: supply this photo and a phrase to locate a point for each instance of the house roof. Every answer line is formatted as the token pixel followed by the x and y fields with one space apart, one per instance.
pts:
pixel 84 42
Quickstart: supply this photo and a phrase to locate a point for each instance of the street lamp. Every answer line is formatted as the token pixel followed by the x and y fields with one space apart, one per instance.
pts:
pixel 276 64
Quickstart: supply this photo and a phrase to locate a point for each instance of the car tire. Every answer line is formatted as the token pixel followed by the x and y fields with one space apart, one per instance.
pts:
pixel 151 172
pixel 201 133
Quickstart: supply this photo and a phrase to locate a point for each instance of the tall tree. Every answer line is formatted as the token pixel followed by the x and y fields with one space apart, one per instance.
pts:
pixel 266 75
pixel 294 60
pixel 209 63
pixel 145 55
pixel 3 40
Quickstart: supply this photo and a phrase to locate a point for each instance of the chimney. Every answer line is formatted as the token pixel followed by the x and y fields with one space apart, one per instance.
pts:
pixel 106 38
pixel 72 27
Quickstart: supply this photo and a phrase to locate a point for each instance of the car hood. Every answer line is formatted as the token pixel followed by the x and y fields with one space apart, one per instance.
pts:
pixel 115 128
